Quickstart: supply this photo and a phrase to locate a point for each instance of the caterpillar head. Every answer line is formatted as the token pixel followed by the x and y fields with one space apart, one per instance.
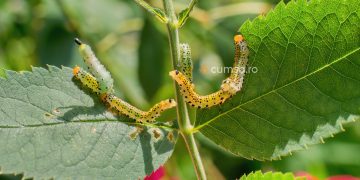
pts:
pixel 177 76
pixel 78 41
pixel 76 70
pixel 84 49
pixel 240 41
pixel 238 38
pixel 229 85
pixel 174 73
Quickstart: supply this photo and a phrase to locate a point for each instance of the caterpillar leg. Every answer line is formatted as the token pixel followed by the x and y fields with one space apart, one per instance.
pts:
pixel 96 68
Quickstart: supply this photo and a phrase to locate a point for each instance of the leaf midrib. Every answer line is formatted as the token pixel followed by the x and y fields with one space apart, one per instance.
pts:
pixel 197 128
pixel 88 121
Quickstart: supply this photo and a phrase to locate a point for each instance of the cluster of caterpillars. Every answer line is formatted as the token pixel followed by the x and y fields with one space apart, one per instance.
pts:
pixel 100 82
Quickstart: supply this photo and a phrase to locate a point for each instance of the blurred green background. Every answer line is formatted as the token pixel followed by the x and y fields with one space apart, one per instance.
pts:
pixel 134 47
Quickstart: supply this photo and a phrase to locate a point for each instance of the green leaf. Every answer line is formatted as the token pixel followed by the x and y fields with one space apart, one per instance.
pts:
pixel 158 13
pixel 184 14
pixel 51 128
pixel 307 84
pixel 258 175
pixel 152 58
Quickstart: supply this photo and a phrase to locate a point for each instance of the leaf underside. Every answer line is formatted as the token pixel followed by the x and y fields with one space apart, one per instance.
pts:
pixel 49 127
pixel 307 84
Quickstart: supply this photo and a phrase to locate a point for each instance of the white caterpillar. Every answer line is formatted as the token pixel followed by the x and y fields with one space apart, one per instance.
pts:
pixel 240 61
pixel 186 64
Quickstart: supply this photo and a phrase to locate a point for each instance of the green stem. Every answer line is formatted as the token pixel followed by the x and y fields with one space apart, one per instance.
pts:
pixel 182 111
pixel 192 4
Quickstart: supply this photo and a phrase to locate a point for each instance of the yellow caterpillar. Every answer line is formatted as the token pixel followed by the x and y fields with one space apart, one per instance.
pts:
pixel 123 107
pixel 229 87
pixel 135 113
pixel 96 68
pixel 195 100
pixel 87 79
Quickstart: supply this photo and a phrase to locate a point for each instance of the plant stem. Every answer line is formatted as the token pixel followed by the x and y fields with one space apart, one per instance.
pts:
pixel 194 155
pixel 182 111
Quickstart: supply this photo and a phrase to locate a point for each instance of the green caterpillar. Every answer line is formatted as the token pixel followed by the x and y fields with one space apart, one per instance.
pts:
pixel 186 64
pixel 96 68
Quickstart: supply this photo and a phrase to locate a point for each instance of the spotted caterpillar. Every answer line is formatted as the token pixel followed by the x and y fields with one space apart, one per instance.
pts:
pixel 240 61
pixel 123 107
pixel 87 79
pixel 96 68
pixel 135 113
pixel 195 100
pixel 229 87
pixel 186 64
